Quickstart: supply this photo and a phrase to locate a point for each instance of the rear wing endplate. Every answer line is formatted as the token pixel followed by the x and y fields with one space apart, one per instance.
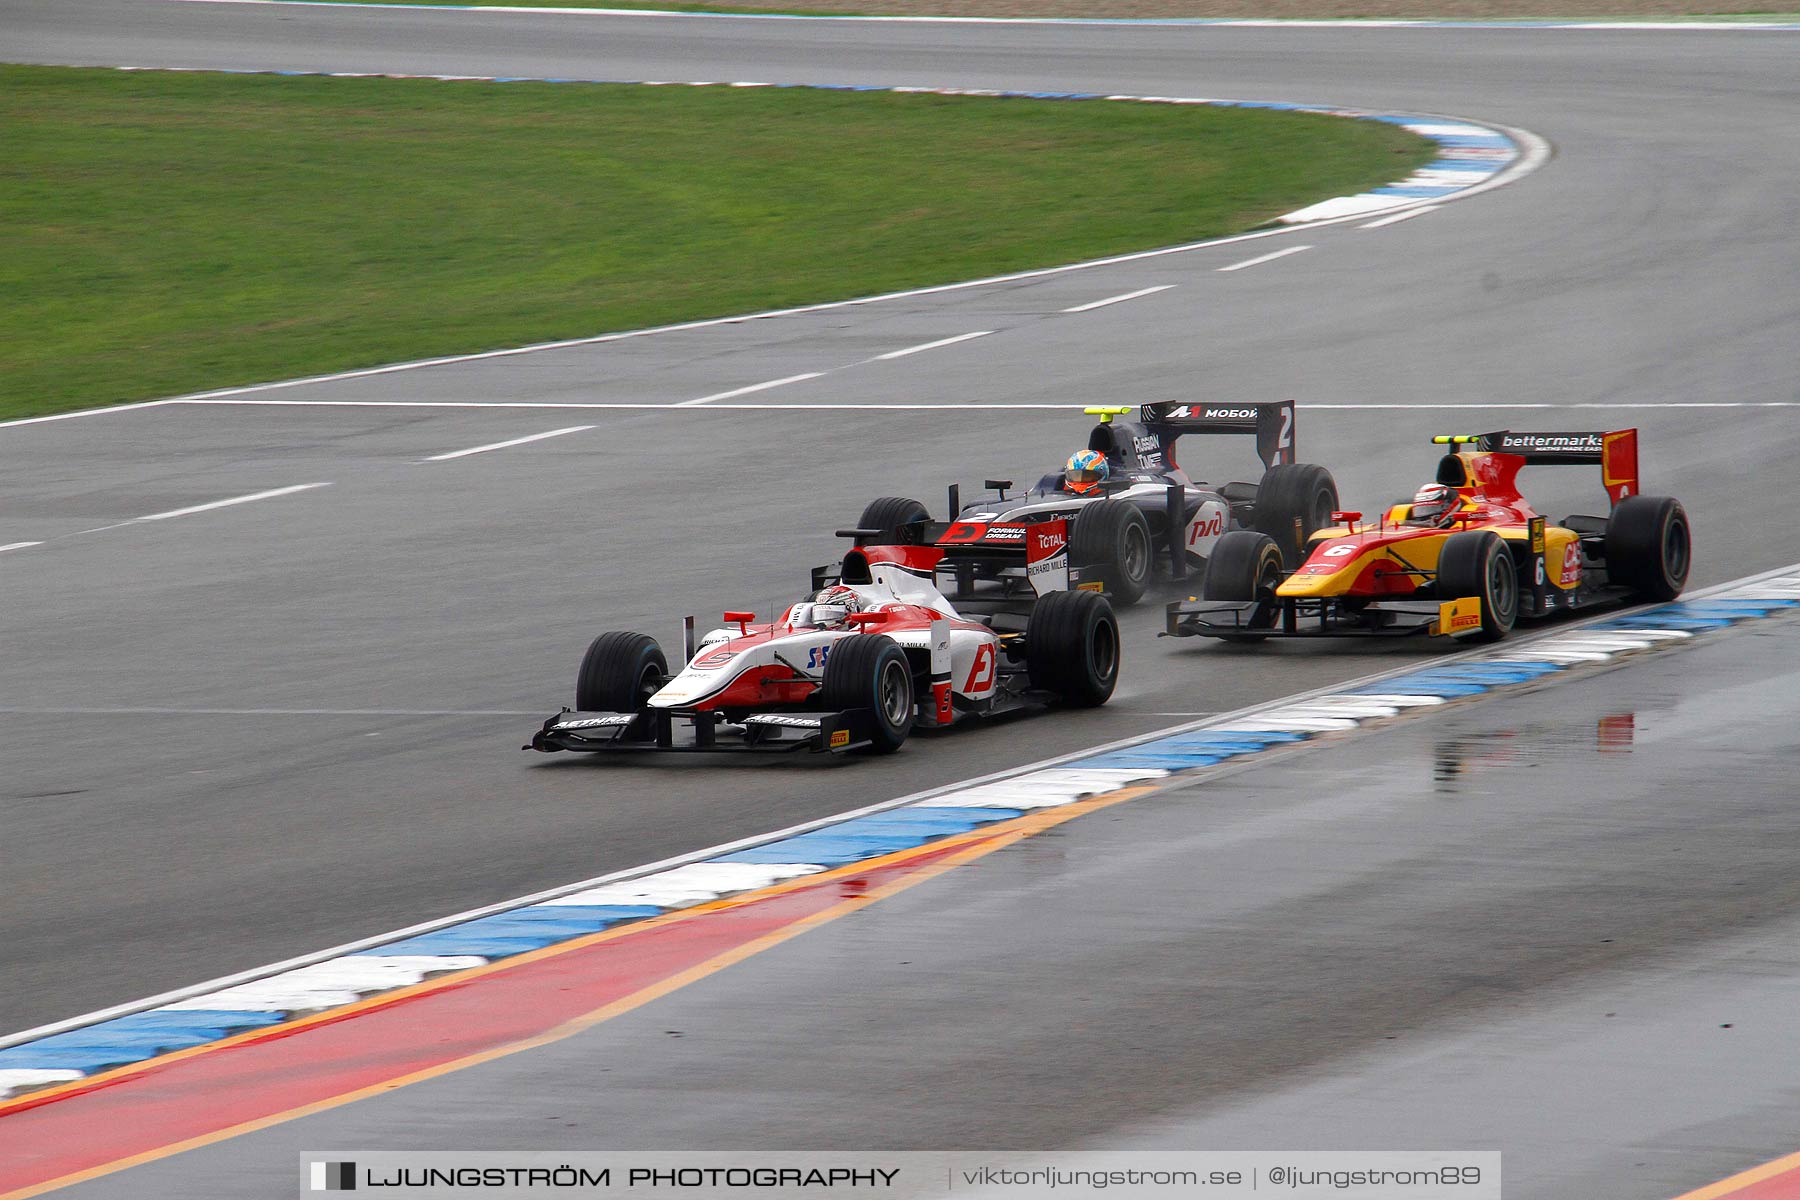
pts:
pixel 1271 421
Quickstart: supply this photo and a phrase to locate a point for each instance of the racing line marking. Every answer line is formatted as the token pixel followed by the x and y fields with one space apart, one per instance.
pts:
pixel 520 441
pixel 975 406
pixel 1407 215
pixel 1251 262
pixel 745 391
pixel 949 341
pixel 1089 307
pixel 1125 22
pixel 1777 1173
pixel 18 546
pixel 200 508
pixel 892 873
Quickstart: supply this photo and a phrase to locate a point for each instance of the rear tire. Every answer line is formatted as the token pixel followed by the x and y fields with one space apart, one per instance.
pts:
pixel 895 516
pixel 870 671
pixel 1477 563
pixel 1072 647
pixel 1303 490
pixel 619 673
pixel 1649 546
pixel 1113 536
pixel 1245 565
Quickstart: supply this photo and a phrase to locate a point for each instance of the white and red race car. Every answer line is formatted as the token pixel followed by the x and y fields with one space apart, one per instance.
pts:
pixel 873 652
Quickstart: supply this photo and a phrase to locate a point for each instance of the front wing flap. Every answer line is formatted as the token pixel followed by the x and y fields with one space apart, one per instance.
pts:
pixel 692 730
pixel 1292 618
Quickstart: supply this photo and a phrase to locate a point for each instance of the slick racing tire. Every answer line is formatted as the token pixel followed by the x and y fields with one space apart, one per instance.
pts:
pixel 1649 547
pixel 619 673
pixel 897 517
pixel 1072 647
pixel 870 671
pixel 1303 491
pixel 1477 563
pixel 1112 537
pixel 1244 566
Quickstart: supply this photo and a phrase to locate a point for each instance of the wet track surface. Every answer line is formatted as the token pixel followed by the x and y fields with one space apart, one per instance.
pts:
pixel 259 731
pixel 1536 923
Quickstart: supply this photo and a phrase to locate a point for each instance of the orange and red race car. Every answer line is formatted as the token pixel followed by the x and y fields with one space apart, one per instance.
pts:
pixel 1469 571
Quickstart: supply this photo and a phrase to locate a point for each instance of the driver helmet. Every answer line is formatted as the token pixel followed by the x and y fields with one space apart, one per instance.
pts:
pixel 827 609
pixel 1433 504
pixel 1085 471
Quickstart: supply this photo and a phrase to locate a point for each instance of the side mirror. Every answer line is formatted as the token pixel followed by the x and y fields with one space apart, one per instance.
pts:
pixel 741 619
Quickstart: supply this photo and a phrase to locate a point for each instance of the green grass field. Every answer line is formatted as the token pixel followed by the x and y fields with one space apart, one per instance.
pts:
pixel 166 233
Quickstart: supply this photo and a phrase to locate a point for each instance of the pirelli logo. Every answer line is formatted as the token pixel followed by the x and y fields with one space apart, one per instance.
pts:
pixel 1458 617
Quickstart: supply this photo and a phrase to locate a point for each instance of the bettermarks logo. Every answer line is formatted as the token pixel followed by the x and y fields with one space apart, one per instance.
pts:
pixel 333 1176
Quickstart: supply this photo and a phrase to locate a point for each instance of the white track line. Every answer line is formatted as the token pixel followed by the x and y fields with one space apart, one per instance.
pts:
pixel 200 508
pixel 1089 307
pixel 949 341
pixel 18 546
pixel 535 437
pixel 1408 215
pixel 1126 22
pixel 1251 262
pixel 745 391
pixel 977 406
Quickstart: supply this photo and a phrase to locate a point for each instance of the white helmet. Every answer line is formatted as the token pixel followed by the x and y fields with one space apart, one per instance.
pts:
pixel 1432 503
pixel 827 610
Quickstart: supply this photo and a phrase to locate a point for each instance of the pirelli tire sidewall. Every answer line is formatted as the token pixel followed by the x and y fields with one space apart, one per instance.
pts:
pixel 619 673
pixel 1305 491
pixel 1072 647
pixel 869 671
pixel 898 517
pixel 1476 562
pixel 1245 566
pixel 1649 546
pixel 1113 538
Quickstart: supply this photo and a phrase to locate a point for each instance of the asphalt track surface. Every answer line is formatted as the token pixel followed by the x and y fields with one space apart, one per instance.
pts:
pixel 256 731
pixel 1534 924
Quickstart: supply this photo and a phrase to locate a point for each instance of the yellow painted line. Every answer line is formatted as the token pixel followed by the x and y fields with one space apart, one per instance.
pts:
pixel 977 843
pixel 1738 1182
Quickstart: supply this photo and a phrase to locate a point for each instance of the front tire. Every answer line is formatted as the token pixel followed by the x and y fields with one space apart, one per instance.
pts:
pixel 897 517
pixel 1303 491
pixel 1477 563
pixel 1245 566
pixel 1649 546
pixel 1072 647
pixel 619 673
pixel 1113 536
pixel 870 671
